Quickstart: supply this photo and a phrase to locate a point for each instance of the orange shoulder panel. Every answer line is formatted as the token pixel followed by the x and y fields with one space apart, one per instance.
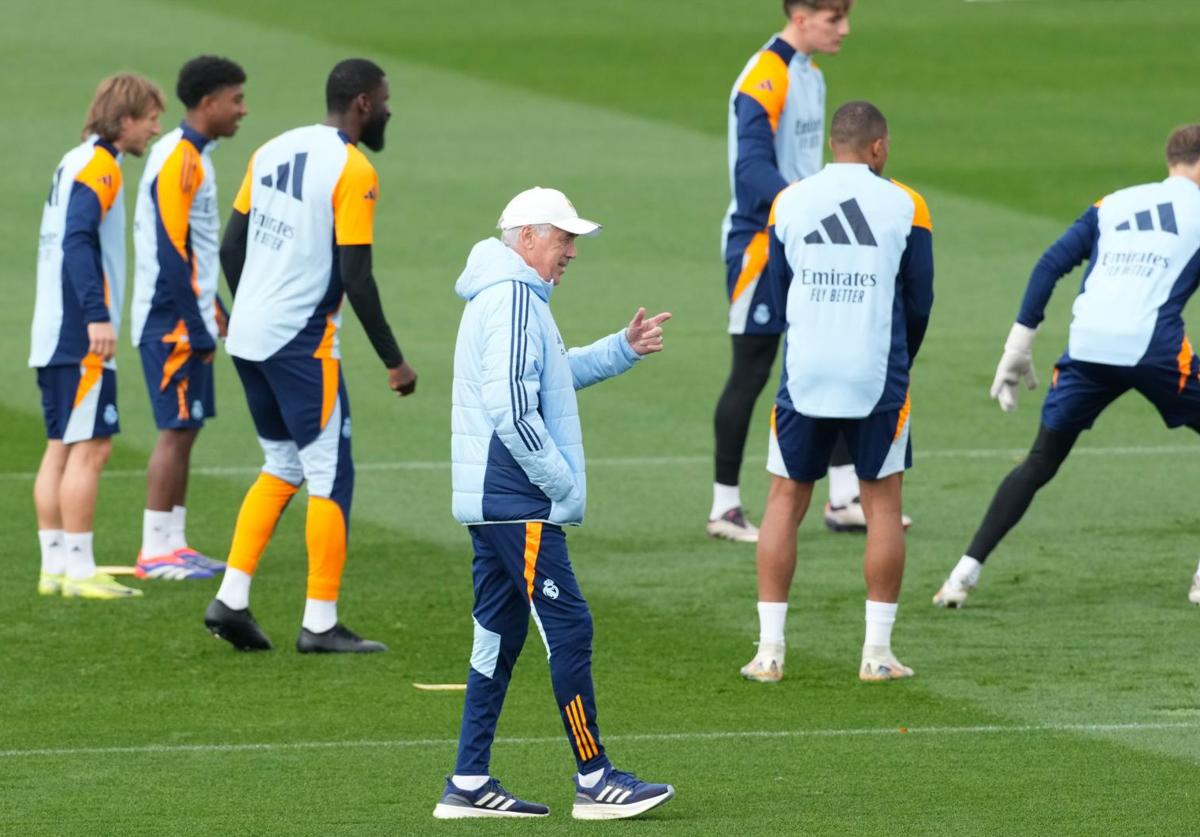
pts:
pixel 921 216
pixel 767 84
pixel 241 203
pixel 1097 203
pixel 175 190
pixel 354 199
pixel 102 175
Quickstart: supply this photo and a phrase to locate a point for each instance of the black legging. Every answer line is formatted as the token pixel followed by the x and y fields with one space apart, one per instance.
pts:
pixel 753 355
pixel 1016 491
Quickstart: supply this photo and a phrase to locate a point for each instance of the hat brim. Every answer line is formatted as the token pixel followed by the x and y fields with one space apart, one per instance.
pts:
pixel 578 226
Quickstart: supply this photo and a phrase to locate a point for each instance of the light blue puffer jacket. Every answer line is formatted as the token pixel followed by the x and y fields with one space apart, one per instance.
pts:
pixel 516 444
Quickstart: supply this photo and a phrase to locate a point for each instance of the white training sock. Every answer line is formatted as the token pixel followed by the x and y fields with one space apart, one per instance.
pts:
pixel 843 485
pixel 589 780
pixel 319 616
pixel 469 783
pixel 54 551
pixel 880 618
pixel 966 571
pixel 771 618
pixel 1198 569
pixel 81 563
pixel 156 534
pixel 725 497
pixel 178 534
pixel 235 589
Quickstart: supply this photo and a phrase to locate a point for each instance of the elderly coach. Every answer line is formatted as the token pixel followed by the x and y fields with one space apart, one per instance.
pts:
pixel 518 468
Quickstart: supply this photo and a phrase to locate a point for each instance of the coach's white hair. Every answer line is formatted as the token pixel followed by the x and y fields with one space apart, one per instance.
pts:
pixel 512 234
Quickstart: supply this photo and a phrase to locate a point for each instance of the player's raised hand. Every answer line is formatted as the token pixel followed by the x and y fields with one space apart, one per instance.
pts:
pixel 1016 364
pixel 102 340
pixel 402 379
pixel 645 336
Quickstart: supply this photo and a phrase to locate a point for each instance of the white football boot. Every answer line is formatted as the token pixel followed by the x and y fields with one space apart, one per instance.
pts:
pixel 852 518
pixel 961 581
pixel 880 664
pixel 733 526
pixel 1194 593
pixel 767 665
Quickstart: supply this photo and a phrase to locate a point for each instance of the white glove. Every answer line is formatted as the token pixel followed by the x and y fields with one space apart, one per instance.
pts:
pixel 1016 363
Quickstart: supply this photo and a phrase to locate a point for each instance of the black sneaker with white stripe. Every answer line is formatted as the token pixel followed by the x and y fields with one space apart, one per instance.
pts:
pixel 618 795
pixel 491 800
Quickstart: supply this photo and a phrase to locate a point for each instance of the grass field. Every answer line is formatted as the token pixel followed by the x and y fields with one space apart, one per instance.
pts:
pixel 1061 701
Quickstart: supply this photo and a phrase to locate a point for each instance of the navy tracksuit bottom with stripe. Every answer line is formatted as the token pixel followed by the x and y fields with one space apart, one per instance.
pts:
pixel 522 569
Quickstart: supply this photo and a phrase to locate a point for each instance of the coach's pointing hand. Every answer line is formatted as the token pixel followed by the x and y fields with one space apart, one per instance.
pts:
pixel 645 336
pixel 402 379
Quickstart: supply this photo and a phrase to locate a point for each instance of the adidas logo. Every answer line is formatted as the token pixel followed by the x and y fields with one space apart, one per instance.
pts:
pixel 766 85
pixel 835 231
pixel 613 795
pixel 371 195
pixel 290 172
pixel 1144 222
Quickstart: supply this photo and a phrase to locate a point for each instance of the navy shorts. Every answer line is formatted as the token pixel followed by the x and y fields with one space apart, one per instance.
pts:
pixel 751 308
pixel 302 416
pixel 79 402
pixel 1080 391
pixel 180 385
pixel 800 446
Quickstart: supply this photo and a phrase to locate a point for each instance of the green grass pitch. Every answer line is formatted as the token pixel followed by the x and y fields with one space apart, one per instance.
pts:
pixel 1061 701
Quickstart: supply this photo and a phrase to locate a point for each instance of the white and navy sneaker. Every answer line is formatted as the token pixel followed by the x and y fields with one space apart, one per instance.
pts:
pixel 618 796
pixel 491 800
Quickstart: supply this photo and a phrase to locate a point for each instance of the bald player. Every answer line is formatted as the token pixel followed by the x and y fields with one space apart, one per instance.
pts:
pixel 851 265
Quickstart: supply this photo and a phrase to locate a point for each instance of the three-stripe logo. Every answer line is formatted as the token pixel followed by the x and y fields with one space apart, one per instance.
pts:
pixel 1144 222
pixel 289 172
pixel 613 795
pixel 495 801
pixel 835 230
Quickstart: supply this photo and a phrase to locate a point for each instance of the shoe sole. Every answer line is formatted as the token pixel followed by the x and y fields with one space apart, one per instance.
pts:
pixel 170 574
pixel 600 811
pixel 834 526
pixel 459 812
pixel 757 678
pixel 883 678
pixel 950 601
pixel 728 534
